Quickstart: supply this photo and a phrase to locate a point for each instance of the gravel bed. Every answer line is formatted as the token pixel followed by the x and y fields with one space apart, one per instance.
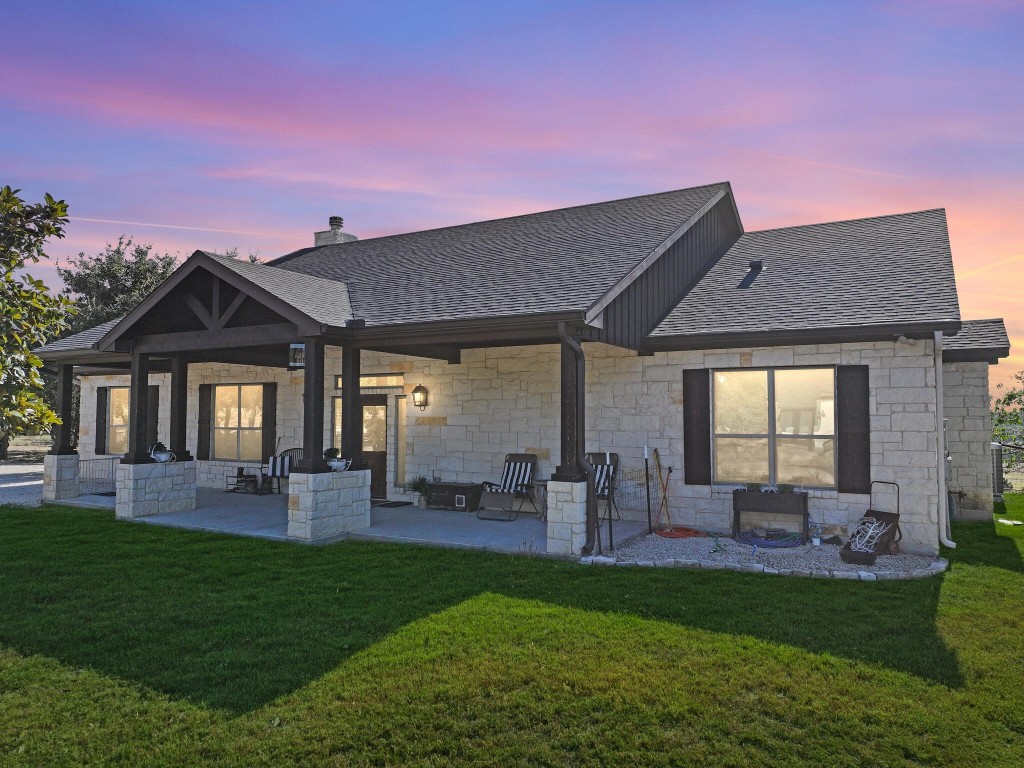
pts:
pixel 21 484
pixel 806 560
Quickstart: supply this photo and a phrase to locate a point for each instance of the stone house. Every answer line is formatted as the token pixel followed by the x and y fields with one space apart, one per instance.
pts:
pixel 824 356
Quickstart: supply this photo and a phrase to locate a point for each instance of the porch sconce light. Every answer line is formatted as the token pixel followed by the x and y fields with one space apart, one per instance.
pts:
pixel 296 357
pixel 420 397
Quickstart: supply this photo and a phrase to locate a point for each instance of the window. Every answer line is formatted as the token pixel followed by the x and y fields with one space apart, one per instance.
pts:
pixel 775 426
pixel 117 420
pixel 238 422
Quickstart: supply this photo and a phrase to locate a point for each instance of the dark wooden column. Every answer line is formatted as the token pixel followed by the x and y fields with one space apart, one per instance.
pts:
pixel 313 408
pixel 138 416
pixel 351 407
pixel 573 426
pixel 65 410
pixel 179 408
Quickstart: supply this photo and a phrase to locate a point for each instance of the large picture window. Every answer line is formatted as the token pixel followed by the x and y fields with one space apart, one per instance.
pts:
pixel 775 426
pixel 118 399
pixel 238 422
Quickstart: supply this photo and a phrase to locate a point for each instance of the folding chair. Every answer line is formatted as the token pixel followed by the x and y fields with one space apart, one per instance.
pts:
pixel 606 466
pixel 517 483
pixel 277 467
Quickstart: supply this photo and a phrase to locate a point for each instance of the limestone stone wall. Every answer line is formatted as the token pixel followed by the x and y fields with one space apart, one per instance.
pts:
pixel 969 435
pixel 567 518
pixel 326 505
pixel 60 477
pixel 152 489
pixel 506 400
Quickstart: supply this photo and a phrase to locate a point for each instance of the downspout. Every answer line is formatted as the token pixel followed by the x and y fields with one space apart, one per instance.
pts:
pixel 940 448
pixel 581 432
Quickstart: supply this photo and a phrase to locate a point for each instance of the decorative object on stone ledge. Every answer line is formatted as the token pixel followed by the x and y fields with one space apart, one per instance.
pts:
pixel 159 453
pixel 334 460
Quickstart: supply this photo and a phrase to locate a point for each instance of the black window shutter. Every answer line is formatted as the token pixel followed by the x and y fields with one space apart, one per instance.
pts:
pixel 269 420
pixel 153 415
pixel 697 426
pixel 853 429
pixel 203 437
pixel 101 420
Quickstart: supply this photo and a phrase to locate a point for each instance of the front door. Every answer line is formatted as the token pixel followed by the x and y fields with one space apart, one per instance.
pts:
pixel 375 443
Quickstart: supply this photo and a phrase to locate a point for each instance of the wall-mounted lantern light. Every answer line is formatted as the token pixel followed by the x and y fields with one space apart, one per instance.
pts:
pixel 296 357
pixel 420 397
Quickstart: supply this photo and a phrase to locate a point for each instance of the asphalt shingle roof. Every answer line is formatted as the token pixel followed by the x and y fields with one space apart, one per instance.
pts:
pixel 554 261
pixel 81 340
pixel 979 334
pixel 881 270
pixel 325 301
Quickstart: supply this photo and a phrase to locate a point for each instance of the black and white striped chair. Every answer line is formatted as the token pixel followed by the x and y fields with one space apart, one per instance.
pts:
pixel 517 483
pixel 605 466
pixel 278 467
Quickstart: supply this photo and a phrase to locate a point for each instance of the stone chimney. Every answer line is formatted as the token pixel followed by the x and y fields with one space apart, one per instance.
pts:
pixel 334 235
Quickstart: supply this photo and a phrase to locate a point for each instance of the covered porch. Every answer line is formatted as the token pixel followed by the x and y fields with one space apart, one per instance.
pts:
pixel 216 311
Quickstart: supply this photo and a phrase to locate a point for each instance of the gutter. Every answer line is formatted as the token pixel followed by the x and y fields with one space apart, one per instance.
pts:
pixel 581 430
pixel 940 448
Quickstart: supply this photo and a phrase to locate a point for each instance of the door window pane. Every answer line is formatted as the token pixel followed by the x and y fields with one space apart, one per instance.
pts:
pixel 805 401
pixel 806 461
pixel 741 402
pixel 336 421
pixel 741 460
pixel 375 428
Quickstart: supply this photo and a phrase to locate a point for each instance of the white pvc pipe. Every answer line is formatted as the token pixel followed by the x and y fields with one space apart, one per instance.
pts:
pixel 940 448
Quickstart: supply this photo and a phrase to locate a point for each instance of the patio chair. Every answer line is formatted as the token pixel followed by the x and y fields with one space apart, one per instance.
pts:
pixel 516 483
pixel 606 467
pixel 277 467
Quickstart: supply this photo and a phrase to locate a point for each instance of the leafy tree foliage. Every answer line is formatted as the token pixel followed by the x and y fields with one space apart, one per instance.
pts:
pixel 1008 422
pixel 29 314
pixel 112 283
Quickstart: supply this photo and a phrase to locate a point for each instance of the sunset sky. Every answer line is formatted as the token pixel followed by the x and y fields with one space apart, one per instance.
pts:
pixel 245 124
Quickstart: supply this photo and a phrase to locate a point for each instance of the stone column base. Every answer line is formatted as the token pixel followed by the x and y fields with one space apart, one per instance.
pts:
pixel 153 489
pixel 60 476
pixel 324 505
pixel 567 517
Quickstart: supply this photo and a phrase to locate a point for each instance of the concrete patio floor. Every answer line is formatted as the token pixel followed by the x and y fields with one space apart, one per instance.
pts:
pixel 266 517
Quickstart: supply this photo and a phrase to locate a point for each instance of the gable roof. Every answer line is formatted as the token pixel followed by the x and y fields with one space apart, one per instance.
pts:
pixel 978 340
pixel 840 277
pixel 554 261
pixel 325 301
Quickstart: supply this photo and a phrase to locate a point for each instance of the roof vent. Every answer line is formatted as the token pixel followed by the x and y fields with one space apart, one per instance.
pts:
pixel 756 265
pixel 334 235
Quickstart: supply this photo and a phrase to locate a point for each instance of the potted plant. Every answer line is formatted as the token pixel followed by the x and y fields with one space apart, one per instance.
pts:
pixel 159 453
pixel 334 460
pixel 418 485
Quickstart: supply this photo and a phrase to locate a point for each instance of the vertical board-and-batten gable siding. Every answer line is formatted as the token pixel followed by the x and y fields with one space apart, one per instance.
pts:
pixel 648 299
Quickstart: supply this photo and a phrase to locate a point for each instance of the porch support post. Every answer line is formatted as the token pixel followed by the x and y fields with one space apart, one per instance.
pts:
pixel 313 408
pixel 138 418
pixel 351 410
pixel 179 405
pixel 65 409
pixel 573 426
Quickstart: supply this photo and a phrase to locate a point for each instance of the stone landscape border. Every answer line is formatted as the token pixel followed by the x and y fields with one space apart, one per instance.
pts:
pixel 934 569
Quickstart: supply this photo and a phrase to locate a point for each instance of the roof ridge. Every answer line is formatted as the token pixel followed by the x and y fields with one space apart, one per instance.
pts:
pixel 846 221
pixel 305 251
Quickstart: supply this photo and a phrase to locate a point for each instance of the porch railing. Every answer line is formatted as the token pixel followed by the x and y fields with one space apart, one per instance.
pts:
pixel 97 475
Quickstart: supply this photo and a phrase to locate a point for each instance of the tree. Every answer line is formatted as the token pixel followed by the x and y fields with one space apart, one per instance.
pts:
pixel 1008 422
pixel 30 315
pixel 112 283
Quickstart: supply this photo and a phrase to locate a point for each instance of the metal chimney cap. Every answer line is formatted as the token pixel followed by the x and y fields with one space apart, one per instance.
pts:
pixel 336 222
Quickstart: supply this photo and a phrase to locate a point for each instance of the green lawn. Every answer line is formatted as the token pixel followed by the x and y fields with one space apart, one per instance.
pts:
pixel 136 645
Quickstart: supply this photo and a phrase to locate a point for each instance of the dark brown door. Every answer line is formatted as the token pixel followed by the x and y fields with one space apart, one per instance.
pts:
pixel 375 443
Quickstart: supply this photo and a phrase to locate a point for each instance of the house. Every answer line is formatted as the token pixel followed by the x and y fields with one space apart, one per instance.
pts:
pixel 824 356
